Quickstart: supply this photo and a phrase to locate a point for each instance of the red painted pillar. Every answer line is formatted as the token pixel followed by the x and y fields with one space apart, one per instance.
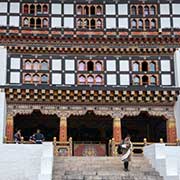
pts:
pixel 63 129
pixel 9 128
pixel 117 129
pixel 171 131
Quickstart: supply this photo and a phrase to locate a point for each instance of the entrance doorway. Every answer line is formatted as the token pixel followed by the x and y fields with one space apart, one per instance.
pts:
pixel 90 127
pixel 48 124
pixel 144 126
pixel 90 133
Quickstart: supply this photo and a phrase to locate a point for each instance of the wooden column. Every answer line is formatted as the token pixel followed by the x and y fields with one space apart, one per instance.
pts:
pixel 117 129
pixel 171 130
pixel 9 127
pixel 63 129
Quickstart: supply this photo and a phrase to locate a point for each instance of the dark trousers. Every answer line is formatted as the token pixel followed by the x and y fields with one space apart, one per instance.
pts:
pixel 126 163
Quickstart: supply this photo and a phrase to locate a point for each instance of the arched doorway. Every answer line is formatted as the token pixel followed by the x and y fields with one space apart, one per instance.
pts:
pixel 48 124
pixel 144 126
pixel 90 133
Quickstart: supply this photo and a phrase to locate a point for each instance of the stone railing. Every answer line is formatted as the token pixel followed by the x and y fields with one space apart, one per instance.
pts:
pixel 165 159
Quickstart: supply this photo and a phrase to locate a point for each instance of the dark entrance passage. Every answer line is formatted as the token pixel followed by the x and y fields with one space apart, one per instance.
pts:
pixel 90 127
pixel 48 124
pixel 144 126
pixel 90 133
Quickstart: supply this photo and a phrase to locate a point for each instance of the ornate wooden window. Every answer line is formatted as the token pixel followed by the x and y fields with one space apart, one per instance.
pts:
pixel 32 9
pixel 152 67
pixel 44 78
pixel 26 22
pixel 153 10
pixel 146 10
pixel 145 80
pixel 89 16
pixel 38 23
pixel 33 15
pixel 89 69
pixel 44 65
pixel 45 22
pixel 98 79
pixel 32 23
pixel 27 64
pixel 140 24
pixel 136 80
pixel 90 79
pixel 26 9
pixel 135 66
pixel 36 78
pixel 153 24
pixel 45 9
pixel 152 80
pixel 82 79
pixel 99 10
pixel 133 10
pixel 36 65
pixel 98 66
pixel 27 78
pixel 79 23
pixel 92 10
pixel 81 66
pixel 93 24
pixel 147 24
pixel 39 10
pixel 86 23
pixel 144 16
pixel 99 24
pixel 144 66
pixel 79 10
pixel 86 10
pixel 140 10
pixel 133 24
pixel 90 66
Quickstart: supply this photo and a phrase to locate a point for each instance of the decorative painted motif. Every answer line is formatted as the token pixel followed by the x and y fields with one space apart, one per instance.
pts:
pixel 90 150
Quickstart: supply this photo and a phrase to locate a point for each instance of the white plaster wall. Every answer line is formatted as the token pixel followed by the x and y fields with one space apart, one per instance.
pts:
pixel 3 66
pixel 177 116
pixel 2 115
pixel 177 67
pixel 165 159
pixel 177 78
pixel 26 161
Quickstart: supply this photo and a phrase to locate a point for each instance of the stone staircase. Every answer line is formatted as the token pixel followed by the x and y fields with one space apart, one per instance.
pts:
pixel 102 168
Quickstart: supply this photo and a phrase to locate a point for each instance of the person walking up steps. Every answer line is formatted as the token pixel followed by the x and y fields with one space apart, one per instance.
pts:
pixel 126 152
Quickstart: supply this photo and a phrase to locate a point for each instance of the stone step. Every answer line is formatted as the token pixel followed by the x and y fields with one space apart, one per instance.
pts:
pixel 102 168
pixel 80 177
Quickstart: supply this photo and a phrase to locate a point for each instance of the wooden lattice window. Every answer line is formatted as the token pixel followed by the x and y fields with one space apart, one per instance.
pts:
pixel 27 78
pixel 81 66
pixel 145 80
pixel 90 80
pixel 26 9
pixel 153 66
pixel 82 79
pixel 136 80
pixel 135 66
pixel 98 79
pixel 144 66
pixel 28 65
pixel 152 80
pixel 44 78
